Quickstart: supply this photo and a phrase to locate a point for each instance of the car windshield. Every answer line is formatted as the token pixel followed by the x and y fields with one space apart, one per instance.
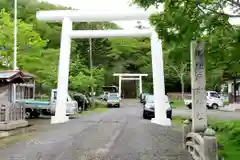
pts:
pixel 145 96
pixel 150 99
pixel 113 98
pixel 214 95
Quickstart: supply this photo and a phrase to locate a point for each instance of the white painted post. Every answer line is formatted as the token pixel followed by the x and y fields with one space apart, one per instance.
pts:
pixel 120 86
pixel 140 85
pixel 63 73
pixel 158 82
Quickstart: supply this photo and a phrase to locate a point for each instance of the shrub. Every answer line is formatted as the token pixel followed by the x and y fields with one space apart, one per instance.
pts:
pixel 228 136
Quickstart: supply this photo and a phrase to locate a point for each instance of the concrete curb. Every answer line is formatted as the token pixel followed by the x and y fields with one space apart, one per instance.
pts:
pixel 230 110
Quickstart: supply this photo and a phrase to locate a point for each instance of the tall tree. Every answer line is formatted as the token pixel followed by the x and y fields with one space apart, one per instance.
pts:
pixel 186 20
pixel 27 38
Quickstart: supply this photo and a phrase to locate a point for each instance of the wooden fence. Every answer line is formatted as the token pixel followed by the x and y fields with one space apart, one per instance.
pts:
pixel 11 112
pixel 177 95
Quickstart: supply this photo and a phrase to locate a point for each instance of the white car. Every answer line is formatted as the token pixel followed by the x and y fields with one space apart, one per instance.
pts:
pixel 214 100
pixel 113 101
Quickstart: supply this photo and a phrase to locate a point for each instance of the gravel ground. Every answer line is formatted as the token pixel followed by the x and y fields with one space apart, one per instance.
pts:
pixel 119 134
pixel 216 114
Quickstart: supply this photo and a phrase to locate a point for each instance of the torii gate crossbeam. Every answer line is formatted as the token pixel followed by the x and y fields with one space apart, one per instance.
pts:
pixel 69 16
pixel 129 76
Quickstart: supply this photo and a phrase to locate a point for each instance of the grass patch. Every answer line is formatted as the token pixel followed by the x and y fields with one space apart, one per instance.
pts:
pixel 226 103
pixel 99 108
pixel 178 119
pixel 177 104
pixel 228 136
pixel 6 141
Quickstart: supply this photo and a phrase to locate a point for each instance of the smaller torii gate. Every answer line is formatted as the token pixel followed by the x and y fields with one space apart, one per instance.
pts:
pixel 129 76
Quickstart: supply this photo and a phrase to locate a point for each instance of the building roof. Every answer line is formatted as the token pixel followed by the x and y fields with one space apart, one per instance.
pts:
pixel 11 75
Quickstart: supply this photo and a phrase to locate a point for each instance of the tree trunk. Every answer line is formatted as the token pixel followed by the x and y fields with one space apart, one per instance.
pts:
pixel 182 88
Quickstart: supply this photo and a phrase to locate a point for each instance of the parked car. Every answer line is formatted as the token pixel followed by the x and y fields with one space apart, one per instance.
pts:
pixel 83 101
pixel 142 97
pixel 114 94
pixel 214 100
pixel 106 95
pixel 33 108
pixel 113 101
pixel 107 90
pixel 149 107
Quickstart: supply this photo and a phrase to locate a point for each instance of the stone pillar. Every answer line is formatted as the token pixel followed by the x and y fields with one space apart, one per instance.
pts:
pixel 186 129
pixel 199 109
pixel 158 82
pixel 210 145
pixel 63 73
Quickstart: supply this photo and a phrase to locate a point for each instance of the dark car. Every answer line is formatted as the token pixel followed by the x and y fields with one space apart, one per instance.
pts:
pixel 149 108
pixel 83 101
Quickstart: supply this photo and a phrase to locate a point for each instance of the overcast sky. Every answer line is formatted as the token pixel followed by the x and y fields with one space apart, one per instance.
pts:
pixel 104 5
pixel 112 5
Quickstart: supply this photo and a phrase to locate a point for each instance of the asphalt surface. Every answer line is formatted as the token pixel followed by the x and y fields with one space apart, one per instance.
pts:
pixel 119 134
pixel 215 114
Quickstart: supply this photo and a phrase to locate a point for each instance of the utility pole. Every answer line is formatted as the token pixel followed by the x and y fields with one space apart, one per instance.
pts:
pixel 14 48
pixel 15 37
pixel 90 62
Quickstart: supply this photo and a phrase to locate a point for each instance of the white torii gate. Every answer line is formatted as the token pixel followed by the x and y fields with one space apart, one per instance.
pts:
pixel 67 17
pixel 130 76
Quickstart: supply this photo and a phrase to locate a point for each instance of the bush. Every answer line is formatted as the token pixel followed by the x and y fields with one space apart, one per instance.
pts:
pixel 221 126
pixel 228 136
pixel 98 104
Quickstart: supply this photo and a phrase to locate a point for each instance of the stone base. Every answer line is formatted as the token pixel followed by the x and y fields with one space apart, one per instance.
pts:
pixel 59 119
pixel 162 121
pixel 13 125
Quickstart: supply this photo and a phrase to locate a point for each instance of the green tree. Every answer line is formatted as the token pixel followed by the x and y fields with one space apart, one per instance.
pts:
pixel 27 38
pixel 43 64
pixel 186 20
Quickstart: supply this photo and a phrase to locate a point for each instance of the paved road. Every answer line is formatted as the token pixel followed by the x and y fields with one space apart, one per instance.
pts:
pixel 119 134
pixel 216 114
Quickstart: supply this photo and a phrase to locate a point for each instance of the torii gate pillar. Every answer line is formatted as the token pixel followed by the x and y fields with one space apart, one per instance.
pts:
pixel 63 73
pixel 158 81
pixel 120 86
pixel 140 85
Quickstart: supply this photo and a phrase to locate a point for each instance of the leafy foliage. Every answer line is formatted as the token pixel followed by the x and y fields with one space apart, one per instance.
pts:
pixel 182 21
pixel 228 137
pixel 27 38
